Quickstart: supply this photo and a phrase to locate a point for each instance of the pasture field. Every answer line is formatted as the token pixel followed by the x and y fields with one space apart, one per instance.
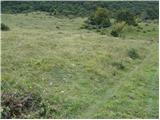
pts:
pixel 79 73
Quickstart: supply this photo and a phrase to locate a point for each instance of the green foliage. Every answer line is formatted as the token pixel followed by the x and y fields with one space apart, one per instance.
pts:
pixel 119 65
pixel 4 27
pixel 117 29
pixel 132 53
pixel 144 31
pixel 102 32
pixel 99 19
pixel 140 28
pixel 125 15
pixel 114 33
pixel 119 26
pixel 150 13
pixel 144 9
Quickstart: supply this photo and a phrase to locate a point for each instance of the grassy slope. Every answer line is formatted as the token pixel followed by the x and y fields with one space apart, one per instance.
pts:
pixel 73 68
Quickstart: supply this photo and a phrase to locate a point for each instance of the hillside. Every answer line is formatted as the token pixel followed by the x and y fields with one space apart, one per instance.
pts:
pixel 62 71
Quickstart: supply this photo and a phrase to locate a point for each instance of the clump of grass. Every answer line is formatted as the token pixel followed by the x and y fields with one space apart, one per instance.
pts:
pixel 114 33
pixel 119 65
pixel 138 30
pixel 153 29
pixel 4 27
pixel 148 30
pixel 102 32
pixel 146 24
pixel 57 27
pixel 85 26
pixel 98 30
pixel 139 27
pixel 117 29
pixel 132 53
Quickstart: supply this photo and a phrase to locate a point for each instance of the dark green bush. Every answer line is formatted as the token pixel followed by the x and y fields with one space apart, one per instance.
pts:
pixel 102 33
pixel 98 30
pixel 127 16
pixel 138 30
pixel 4 27
pixel 132 53
pixel 117 29
pixel 83 26
pixel 119 65
pixel 153 29
pixel 146 24
pixel 114 33
pixel 139 27
pixel 99 19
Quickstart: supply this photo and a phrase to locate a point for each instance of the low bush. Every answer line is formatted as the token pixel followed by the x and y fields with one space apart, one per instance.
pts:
pixel 98 19
pixel 118 65
pixel 114 33
pixel 98 30
pixel 4 27
pixel 117 29
pixel 126 16
pixel 132 53
pixel 146 24
pixel 153 29
pixel 138 30
pixel 102 32
pixel 18 105
pixel 57 27
pixel 139 27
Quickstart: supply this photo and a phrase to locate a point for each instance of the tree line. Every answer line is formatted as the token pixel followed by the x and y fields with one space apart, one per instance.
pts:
pixel 142 9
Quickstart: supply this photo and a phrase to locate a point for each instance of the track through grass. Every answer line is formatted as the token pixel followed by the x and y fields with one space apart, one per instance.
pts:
pixel 91 110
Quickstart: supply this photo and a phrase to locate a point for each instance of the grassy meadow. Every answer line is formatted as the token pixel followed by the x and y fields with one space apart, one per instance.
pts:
pixel 79 73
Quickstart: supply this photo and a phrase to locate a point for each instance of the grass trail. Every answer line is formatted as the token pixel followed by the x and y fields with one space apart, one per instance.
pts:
pixel 110 93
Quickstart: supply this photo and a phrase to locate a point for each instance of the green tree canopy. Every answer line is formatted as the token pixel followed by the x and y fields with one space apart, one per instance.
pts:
pixel 126 16
pixel 100 18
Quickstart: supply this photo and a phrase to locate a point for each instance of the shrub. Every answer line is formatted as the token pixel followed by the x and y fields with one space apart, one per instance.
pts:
pixel 57 27
pixel 139 27
pixel 98 30
pixel 125 15
pixel 146 24
pixel 119 26
pixel 153 29
pixel 119 65
pixel 4 27
pixel 138 30
pixel 16 106
pixel 114 33
pixel 99 19
pixel 117 29
pixel 102 32
pixel 150 14
pixel 132 53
